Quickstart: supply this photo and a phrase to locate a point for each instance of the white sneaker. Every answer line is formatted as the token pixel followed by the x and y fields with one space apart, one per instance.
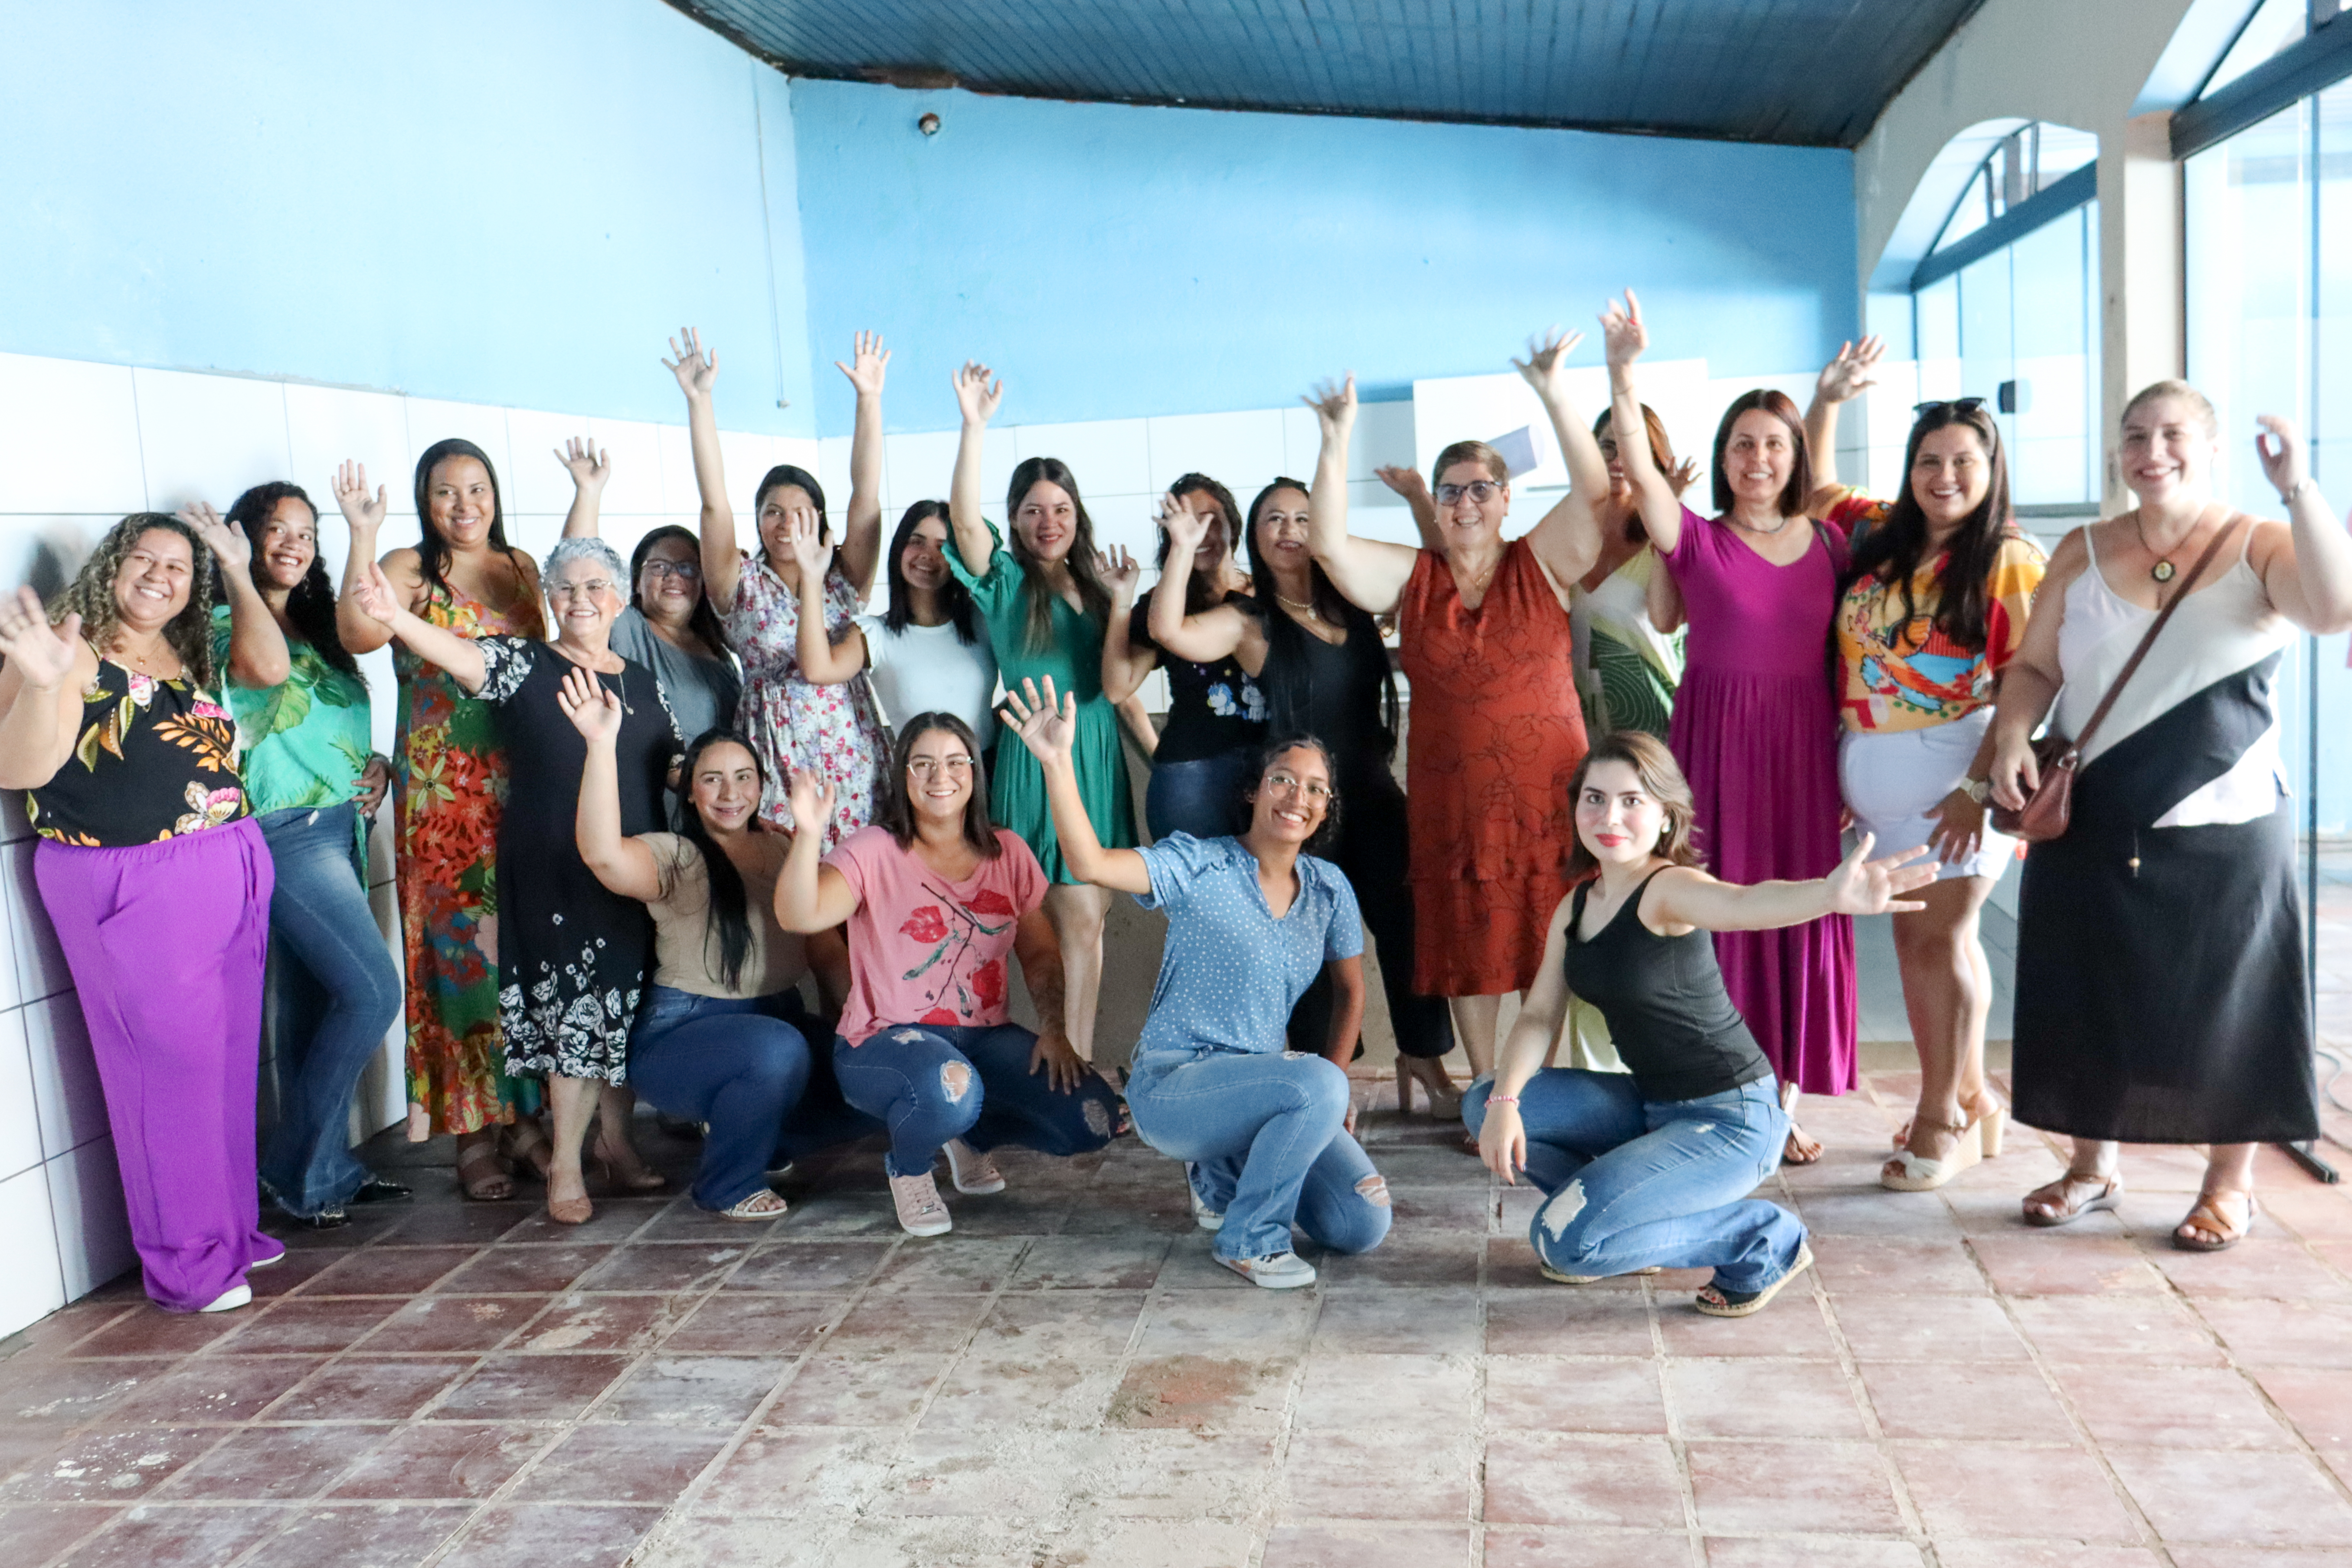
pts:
pixel 270 1262
pixel 230 1300
pixel 920 1212
pixel 1281 1271
pixel 971 1171
pixel 1203 1215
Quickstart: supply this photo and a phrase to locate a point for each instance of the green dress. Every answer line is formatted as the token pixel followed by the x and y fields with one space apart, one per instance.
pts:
pixel 1016 795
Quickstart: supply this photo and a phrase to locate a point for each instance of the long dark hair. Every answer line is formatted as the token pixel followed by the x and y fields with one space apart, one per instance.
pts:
pixel 897 808
pixel 784 474
pixel 1287 680
pixel 727 917
pixel 432 550
pixel 1894 552
pixel 1028 475
pixel 1801 471
pixel 1200 593
pixel 1661 777
pixel 1272 752
pixel 310 604
pixel 954 597
pixel 705 621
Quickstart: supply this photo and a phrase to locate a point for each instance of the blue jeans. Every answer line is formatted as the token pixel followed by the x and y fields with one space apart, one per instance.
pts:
pixel 906 1076
pixel 1635 1183
pixel 1203 798
pixel 744 1068
pixel 1265 1134
pixel 338 994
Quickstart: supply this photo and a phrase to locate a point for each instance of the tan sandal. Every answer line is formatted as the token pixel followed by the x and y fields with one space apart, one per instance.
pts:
pixel 761 1205
pixel 2208 1216
pixel 2054 1195
pixel 482 1173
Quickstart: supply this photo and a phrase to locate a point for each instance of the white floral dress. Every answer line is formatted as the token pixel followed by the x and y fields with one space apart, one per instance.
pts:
pixel 833 731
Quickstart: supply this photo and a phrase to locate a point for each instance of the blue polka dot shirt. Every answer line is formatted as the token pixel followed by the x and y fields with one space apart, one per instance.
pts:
pixel 1231 973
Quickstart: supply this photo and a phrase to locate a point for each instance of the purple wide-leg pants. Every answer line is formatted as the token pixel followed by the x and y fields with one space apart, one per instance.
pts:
pixel 166 943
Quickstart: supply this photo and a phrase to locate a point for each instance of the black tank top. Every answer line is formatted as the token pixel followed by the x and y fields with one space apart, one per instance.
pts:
pixel 156 758
pixel 1662 996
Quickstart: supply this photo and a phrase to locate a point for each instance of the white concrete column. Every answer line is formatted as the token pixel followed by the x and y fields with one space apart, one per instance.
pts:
pixel 2143 321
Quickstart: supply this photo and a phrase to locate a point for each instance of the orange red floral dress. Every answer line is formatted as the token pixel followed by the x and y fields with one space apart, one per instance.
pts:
pixel 449 776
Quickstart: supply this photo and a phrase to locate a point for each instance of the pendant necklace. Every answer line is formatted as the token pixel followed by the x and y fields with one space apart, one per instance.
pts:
pixel 1308 610
pixel 2163 570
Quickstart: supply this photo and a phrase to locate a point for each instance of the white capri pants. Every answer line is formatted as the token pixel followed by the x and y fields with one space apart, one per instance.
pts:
pixel 1890 779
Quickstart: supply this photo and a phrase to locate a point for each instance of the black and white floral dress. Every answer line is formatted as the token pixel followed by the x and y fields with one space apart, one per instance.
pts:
pixel 571 956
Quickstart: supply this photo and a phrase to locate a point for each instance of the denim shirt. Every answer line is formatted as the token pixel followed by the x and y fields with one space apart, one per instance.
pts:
pixel 1231 973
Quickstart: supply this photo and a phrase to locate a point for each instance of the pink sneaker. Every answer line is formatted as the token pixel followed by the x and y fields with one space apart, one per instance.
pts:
pixel 971 1171
pixel 920 1212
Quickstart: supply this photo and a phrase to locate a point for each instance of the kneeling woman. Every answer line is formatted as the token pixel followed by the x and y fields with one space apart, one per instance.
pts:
pixel 934 896
pixel 1251 922
pixel 1653 1170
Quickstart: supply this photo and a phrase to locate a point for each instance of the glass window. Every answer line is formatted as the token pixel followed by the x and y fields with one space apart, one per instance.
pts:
pixel 2274 25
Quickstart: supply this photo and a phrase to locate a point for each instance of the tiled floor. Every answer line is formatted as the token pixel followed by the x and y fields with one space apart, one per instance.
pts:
pixel 1066 1379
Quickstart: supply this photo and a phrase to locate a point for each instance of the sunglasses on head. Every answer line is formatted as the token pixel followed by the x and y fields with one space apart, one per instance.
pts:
pixel 1961 405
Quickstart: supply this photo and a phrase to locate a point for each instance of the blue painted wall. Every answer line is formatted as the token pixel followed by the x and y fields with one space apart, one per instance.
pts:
pixel 1120 261
pixel 507 203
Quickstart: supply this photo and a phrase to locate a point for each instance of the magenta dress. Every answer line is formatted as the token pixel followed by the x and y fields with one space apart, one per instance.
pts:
pixel 1756 730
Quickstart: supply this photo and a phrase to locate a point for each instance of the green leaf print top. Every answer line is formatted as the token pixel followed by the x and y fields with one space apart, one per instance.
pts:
pixel 305 739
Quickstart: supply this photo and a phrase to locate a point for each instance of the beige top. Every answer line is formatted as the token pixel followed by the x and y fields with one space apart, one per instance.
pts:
pixel 686 951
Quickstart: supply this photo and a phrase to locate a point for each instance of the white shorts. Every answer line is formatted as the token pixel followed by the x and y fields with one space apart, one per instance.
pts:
pixel 1890 778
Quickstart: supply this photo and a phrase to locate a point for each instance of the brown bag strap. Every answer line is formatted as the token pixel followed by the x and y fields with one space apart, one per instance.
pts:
pixel 2228 528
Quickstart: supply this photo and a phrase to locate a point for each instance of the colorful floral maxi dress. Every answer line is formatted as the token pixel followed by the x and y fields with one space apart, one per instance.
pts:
pixel 449 774
pixel 833 731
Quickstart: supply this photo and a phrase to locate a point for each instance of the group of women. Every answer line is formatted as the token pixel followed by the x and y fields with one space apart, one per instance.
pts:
pixel 640 805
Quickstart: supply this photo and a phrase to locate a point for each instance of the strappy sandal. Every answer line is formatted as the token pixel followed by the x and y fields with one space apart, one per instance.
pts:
pixel 1978 1138
pixel 761 1205
pixel 528 1146
pixel 482 1173
pixel 2208 1216
pixel 2109 1194
pixel 1718 1302
pixel 1792 1155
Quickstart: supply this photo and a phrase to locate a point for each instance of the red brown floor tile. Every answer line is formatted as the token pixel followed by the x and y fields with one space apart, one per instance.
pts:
pixel 638 1463
pixel 435 1461
pixel 1541 1478
pixel 357 1387
pixel 149 1536
pixel 360 1536
pixel 271 1464
pixel 1546 1394
pixel 1755 1487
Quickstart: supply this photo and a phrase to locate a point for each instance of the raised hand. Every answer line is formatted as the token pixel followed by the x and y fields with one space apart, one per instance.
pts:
pixel 696 370
pixel 1048 731
pixel 1861 886
pixel 1334 404
pixel 803 536
pixel 1186 527
pixel 589 468
pixel 2286 462
pixel 1546 366
pixel 351 495
pixel 867 360
pixel 40 653
pixel 1855 367
pixel 1685 475
pixel 1119 571
pixel 1622 331
pixel 810 799
pixel 373 592
pixel 591 706
pixel 978 396
pixel 1407 482
pixel 228 544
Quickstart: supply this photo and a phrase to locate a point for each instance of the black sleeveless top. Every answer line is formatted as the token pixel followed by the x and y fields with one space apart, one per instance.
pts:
pixel 155 759
pixel 1662 996
pixel 1213 709
pixel 1341 693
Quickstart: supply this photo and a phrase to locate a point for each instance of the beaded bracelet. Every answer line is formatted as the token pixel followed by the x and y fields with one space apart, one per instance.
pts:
pixel 1502 1099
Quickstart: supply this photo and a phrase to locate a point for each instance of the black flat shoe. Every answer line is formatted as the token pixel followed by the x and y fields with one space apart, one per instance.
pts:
pixel 376 1190
pixel 325 1219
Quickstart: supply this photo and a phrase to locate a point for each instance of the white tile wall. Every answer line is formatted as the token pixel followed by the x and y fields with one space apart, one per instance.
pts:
pixel 33 1285
pixel 93 1232
pixel 20 1119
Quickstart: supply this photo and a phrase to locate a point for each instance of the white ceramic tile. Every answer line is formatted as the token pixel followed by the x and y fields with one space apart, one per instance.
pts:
pixel 534 533
pixel 1384 436
pixel 999 451
pixel 326 426
pixel 383 700
pixel 634 447
pixel 33 1285
pixel 431 420
pixel 40 962
pixel 918 467
pixel 209 437
pixel 832 466
pixel 20 1120
pixel 44 551
pixel 14 828
pixel 93 1232
pixel 539 481
pixel 68 438
pixel 747 458
pixel 1241 451
pixel 1390 523
pixel 1128 520
pixel 801 450
pixel 680 500
pixel 1302 442
pixel 1108 457
pixel 70 1100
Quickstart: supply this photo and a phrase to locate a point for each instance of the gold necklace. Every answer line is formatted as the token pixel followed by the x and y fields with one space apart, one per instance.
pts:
pixel 2164 569
pixel 1310 611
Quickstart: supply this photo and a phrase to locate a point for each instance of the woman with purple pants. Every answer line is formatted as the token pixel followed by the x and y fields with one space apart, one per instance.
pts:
pixel 155 873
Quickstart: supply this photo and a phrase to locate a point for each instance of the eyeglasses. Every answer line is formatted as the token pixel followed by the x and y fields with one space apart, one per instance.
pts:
pixel 1479 490
pixel 1313 789
pixel 1961 405
pixel 686 569
pixel 592 588
pixel 928 767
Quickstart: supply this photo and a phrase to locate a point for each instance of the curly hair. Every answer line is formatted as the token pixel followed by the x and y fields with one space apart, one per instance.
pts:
pixel 92 592
pixel 310 604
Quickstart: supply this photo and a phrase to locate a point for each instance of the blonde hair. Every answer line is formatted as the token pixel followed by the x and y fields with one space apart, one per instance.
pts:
pixel 2155 391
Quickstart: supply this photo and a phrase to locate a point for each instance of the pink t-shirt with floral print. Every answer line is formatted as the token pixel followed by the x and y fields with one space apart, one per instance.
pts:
pixel 923 949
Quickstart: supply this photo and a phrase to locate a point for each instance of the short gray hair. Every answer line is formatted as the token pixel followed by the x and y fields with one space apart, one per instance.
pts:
pixel 587 547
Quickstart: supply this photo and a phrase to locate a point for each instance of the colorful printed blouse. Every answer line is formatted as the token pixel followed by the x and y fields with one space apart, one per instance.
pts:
pixel 156 758
pixel 1906 674
pixel 305 739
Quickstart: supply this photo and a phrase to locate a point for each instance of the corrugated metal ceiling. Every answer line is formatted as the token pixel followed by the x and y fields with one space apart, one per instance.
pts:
pixel 1811 72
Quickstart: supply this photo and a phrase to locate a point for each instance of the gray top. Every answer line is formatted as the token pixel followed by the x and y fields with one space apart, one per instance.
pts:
pixel 701 692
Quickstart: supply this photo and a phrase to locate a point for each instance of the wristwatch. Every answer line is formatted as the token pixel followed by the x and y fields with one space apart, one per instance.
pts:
pixel 1978 790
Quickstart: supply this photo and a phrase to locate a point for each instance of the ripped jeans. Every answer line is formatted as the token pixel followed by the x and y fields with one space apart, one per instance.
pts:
pixel 1634 1184
pixel 931 1082
pixel 1265 1135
